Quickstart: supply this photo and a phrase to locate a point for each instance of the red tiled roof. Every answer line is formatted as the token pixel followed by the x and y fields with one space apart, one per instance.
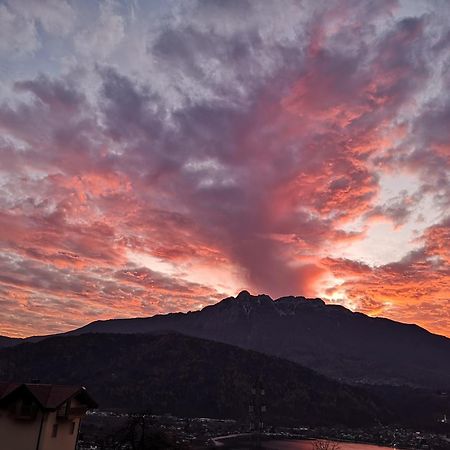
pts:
pixel 49 396
pixel 6 388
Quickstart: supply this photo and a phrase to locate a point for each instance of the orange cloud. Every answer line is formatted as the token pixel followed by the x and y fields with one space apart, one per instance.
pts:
pixel 253 152
pixel 416 289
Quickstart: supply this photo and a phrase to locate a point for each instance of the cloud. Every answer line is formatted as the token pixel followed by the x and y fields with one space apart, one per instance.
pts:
pixel 100 40
pixel 397 209
pixel 33 295
pixel 55 16
pixel 192 139
pixel 413 289
pixel 20 21
pixel 17 34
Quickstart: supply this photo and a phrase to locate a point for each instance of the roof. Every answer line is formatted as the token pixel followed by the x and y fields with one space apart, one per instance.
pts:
pixel 49 396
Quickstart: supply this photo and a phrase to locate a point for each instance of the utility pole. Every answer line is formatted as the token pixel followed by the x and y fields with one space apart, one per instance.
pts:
pixel 257 408
pixel 445 401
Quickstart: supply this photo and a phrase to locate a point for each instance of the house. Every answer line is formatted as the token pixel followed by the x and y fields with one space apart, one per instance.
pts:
pixel 41 416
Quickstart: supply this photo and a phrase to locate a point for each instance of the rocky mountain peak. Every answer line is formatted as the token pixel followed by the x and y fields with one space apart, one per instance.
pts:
pixel 245 296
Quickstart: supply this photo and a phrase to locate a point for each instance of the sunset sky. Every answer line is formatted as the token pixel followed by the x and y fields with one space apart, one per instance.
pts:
pixel 157 156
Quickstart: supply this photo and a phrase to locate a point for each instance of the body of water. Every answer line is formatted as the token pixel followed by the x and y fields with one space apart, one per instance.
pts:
pixel 308 445
pixel 241 442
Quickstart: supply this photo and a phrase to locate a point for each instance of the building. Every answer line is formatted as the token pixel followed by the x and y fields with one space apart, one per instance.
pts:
pixel 41 416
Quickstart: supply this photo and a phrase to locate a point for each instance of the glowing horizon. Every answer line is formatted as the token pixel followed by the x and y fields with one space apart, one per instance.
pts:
pixel 160 156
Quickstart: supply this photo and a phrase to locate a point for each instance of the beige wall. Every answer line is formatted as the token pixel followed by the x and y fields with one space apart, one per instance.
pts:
pixel 23 434
pixel 64 439
pixel 18 434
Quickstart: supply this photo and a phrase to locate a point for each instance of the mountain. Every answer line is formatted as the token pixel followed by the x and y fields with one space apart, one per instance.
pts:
pixel 186 376
pixel 331 339
pixel 9 342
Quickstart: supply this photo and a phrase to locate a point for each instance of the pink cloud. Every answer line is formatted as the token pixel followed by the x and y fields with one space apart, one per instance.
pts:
pixel 259 171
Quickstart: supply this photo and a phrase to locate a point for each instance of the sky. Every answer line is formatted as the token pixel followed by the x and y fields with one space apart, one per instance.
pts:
pixel 158 156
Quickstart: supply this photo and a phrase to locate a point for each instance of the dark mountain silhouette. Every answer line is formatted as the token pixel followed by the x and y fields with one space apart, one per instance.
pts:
pixel 328 338
pixel 186 376
pixel 9 342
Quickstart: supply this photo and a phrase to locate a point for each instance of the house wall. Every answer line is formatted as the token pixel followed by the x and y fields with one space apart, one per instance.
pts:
pixel 18 434
pixel 64 439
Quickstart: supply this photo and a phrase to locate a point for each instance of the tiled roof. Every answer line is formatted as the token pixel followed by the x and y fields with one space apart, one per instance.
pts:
pixel 49 396
pixel 6 388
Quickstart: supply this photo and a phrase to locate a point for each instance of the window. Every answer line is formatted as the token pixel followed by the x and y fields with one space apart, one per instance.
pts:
pixel 55 430
pixel 72 428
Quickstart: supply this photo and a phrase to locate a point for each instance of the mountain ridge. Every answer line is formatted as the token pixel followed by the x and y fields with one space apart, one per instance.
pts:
pixel 191 377
pixel 317 302
pixel 6 341
pixel 188 376
pixel 348 346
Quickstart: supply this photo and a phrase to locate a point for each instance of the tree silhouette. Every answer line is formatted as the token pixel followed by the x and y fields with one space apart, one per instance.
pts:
pixel 141 433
